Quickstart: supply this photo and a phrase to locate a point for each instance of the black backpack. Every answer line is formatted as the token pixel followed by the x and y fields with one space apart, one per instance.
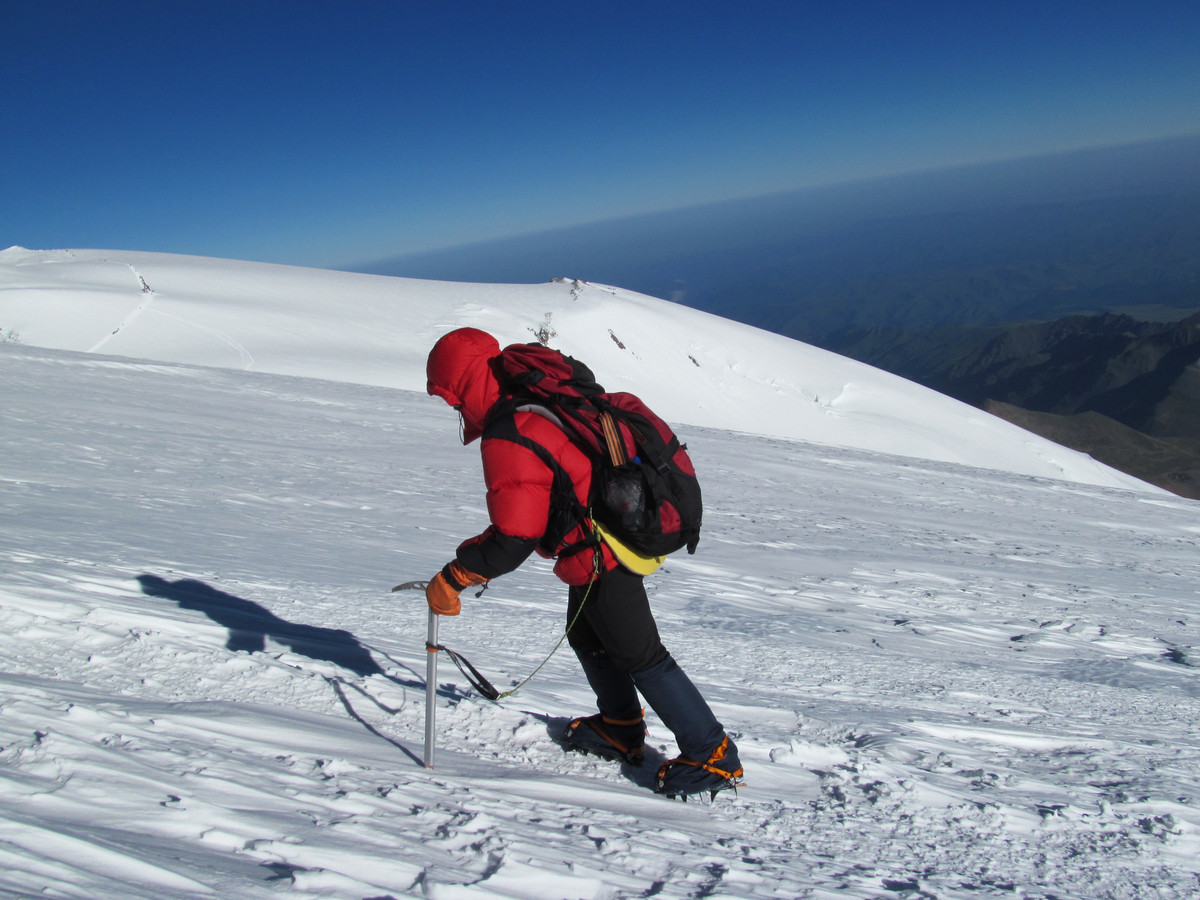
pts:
pixel 644 491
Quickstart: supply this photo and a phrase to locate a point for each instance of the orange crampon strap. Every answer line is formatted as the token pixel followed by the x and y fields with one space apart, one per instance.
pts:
pixel 593 722
pixel 707 765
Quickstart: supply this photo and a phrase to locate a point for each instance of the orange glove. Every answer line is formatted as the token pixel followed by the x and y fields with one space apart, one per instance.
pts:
pixel 443 590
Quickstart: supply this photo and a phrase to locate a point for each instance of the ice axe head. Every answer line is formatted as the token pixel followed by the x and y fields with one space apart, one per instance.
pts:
pixel 411 586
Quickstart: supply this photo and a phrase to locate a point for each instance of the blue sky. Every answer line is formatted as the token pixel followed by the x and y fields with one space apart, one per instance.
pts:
pixel 335 133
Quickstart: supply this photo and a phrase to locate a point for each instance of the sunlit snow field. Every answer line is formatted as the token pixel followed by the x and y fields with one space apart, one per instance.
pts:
pixel 946 680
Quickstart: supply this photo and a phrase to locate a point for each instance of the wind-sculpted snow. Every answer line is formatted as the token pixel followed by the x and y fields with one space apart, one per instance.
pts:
pixel 691 367
pixel 945 681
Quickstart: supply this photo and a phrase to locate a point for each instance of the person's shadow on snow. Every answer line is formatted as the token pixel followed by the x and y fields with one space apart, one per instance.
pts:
pixel 250 625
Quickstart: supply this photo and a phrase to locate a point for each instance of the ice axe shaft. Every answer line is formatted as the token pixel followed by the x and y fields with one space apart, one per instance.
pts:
pixel 431 647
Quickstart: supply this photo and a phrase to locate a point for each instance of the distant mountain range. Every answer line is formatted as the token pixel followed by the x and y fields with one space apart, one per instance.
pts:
pixel 1125 391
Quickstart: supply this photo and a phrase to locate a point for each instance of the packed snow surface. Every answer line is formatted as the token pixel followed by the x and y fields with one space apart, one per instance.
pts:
pixel 946 680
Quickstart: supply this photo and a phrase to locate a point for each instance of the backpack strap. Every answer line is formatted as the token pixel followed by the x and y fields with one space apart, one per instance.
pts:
pixel 613 440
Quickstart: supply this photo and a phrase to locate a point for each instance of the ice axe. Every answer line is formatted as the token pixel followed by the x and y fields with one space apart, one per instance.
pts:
pixel 431 648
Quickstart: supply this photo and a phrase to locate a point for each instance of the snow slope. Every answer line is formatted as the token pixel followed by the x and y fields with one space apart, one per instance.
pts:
pixel 694 368
pixel 946 681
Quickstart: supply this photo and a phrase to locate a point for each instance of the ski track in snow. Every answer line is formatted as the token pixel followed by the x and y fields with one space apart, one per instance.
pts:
pixel 137 311
pixel 945 682
pixel 246 359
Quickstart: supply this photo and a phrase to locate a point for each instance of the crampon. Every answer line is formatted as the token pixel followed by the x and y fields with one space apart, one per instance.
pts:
pixel 623 740
pixel 681 777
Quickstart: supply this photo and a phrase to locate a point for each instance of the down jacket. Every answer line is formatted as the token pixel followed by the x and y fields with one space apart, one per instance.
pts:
pixel 525 499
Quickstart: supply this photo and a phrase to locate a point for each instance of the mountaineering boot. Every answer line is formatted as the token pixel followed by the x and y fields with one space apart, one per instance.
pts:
pixel 682 777
pixel 616 739
pixel 708 760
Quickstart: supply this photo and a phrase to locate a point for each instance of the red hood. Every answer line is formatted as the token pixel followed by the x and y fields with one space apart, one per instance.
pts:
pixel 459 371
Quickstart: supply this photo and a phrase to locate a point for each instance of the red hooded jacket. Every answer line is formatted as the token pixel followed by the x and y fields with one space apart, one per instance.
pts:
pixel 524 497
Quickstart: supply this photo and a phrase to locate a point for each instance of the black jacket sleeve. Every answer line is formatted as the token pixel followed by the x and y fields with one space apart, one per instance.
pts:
pixel 495 553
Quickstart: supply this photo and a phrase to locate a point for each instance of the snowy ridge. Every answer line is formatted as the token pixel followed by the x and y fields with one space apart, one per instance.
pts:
pixel 694 368
pixel 946 681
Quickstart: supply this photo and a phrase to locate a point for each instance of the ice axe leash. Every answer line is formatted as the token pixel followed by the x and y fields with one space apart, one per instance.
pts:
pixel 478 681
